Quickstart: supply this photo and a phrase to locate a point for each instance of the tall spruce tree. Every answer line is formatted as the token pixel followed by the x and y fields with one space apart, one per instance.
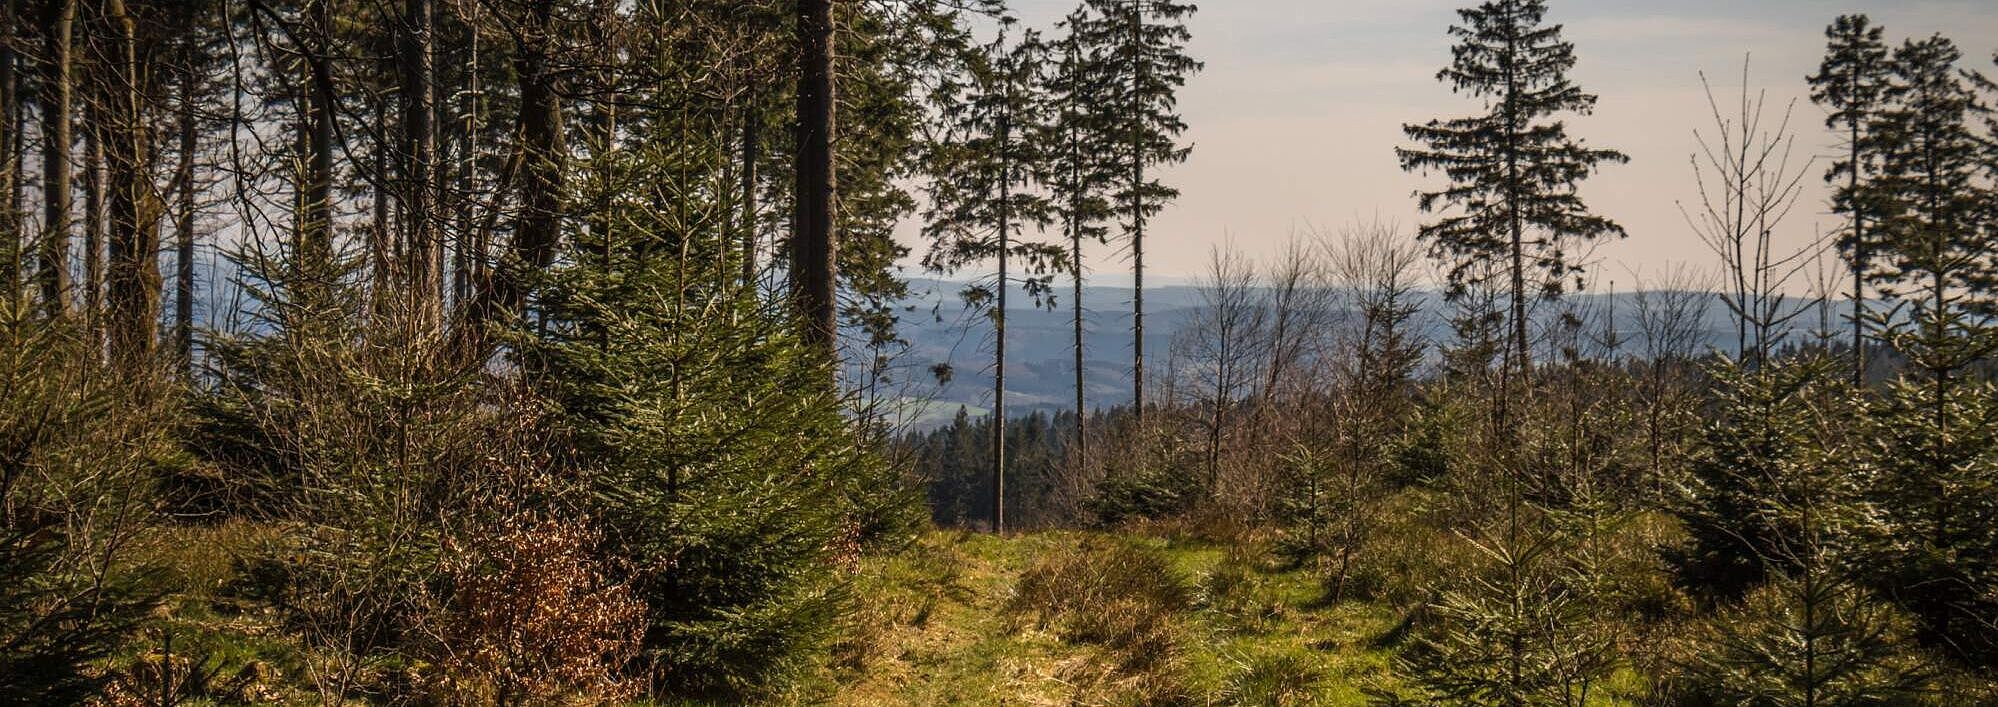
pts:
pixel 1935 457
pixel 1144 43
pixel 985 195
pixel 1077 172
pixel 1851 83
pixel 1513 171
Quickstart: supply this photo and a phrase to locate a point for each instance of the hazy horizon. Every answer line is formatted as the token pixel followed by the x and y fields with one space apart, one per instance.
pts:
pixel 1295 119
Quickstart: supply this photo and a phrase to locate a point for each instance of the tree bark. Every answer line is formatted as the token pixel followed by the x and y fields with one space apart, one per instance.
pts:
pixel 183 281
pixel 57 99
pixel 422 248
pixel 315 218
pixel 752 148
pixel 93 222
pixel 814 248
pixel 10 147
pixel 544 154
pixel 133 281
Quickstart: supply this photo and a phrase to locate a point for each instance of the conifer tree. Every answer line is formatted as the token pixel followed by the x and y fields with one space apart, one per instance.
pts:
pixel 721 466
pixel 1514 170
pixel 1144 43
pixel 1851 83
pixel 1077 172
pixel 1935 457
pixel 986 195
pixel 1765 425
pixel 1811 633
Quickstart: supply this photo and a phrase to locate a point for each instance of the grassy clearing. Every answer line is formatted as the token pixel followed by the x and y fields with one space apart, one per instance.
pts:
pixel 956 618
pixel 1090 618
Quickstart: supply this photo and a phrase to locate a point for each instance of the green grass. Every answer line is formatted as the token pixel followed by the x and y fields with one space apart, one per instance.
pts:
pixel 944 635
pixel 942 622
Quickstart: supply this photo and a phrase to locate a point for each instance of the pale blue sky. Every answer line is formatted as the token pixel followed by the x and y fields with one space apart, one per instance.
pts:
pixel 1295 119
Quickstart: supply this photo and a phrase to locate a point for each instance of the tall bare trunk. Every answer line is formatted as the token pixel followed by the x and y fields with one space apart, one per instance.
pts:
pixel 1081 403
pixel 10 150
pixel 423 248
pixel 752 148
pixel 999 344
pixel 315 225
pixel 183 227
pixel 544 154
pixel 1137 230
pixel 57 99
pixel 134 278
pixel 93 221
pixel 1858 260
pixel 814 248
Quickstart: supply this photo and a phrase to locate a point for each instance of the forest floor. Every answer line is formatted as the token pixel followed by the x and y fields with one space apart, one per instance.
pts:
pixel 944 621
pixel 940 624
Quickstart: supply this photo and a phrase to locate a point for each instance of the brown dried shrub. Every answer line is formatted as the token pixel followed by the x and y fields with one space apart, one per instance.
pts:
pixel 536 619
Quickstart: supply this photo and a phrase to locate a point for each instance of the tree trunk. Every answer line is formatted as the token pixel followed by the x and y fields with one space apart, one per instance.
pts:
pixel 57 99
pixel 422 248
pixel 999 344
pixel 752 148
pixel 1137 228
pixel 10 146
pixel 544 155
pixel 93 223
pixel 814 249
pixel 183 294
pixel 1858 262
pixel 1081 402
pixel 315 227
pixel 134 278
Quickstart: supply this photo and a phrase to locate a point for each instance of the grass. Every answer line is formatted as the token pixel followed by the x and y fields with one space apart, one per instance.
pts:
pixel 952 626
pixel 1147 617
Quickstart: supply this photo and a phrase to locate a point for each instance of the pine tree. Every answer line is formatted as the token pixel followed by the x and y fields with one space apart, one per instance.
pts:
pixel 1764 425
pixel 1933 465
pixel 1852 83
pixel 1514 170
pixel 1077 172
pixel 723 470
pixel 1144 45
pixel 1811 633
pixel 985 195
pixel 1517 635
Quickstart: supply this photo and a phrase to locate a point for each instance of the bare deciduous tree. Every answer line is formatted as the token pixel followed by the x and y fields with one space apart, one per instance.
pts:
pixel 1748 183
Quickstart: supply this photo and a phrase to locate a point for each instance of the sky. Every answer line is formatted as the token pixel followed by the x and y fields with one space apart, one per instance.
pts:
pixel 1296 116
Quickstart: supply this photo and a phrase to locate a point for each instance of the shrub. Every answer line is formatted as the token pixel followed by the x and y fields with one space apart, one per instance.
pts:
pixel 1117 595
pixel 1274 680
pixel 535 619
pixel 1810 639
pixel 372 444
pixel 80 445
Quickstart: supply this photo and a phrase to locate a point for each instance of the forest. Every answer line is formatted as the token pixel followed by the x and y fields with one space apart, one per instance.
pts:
pixel 559 352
